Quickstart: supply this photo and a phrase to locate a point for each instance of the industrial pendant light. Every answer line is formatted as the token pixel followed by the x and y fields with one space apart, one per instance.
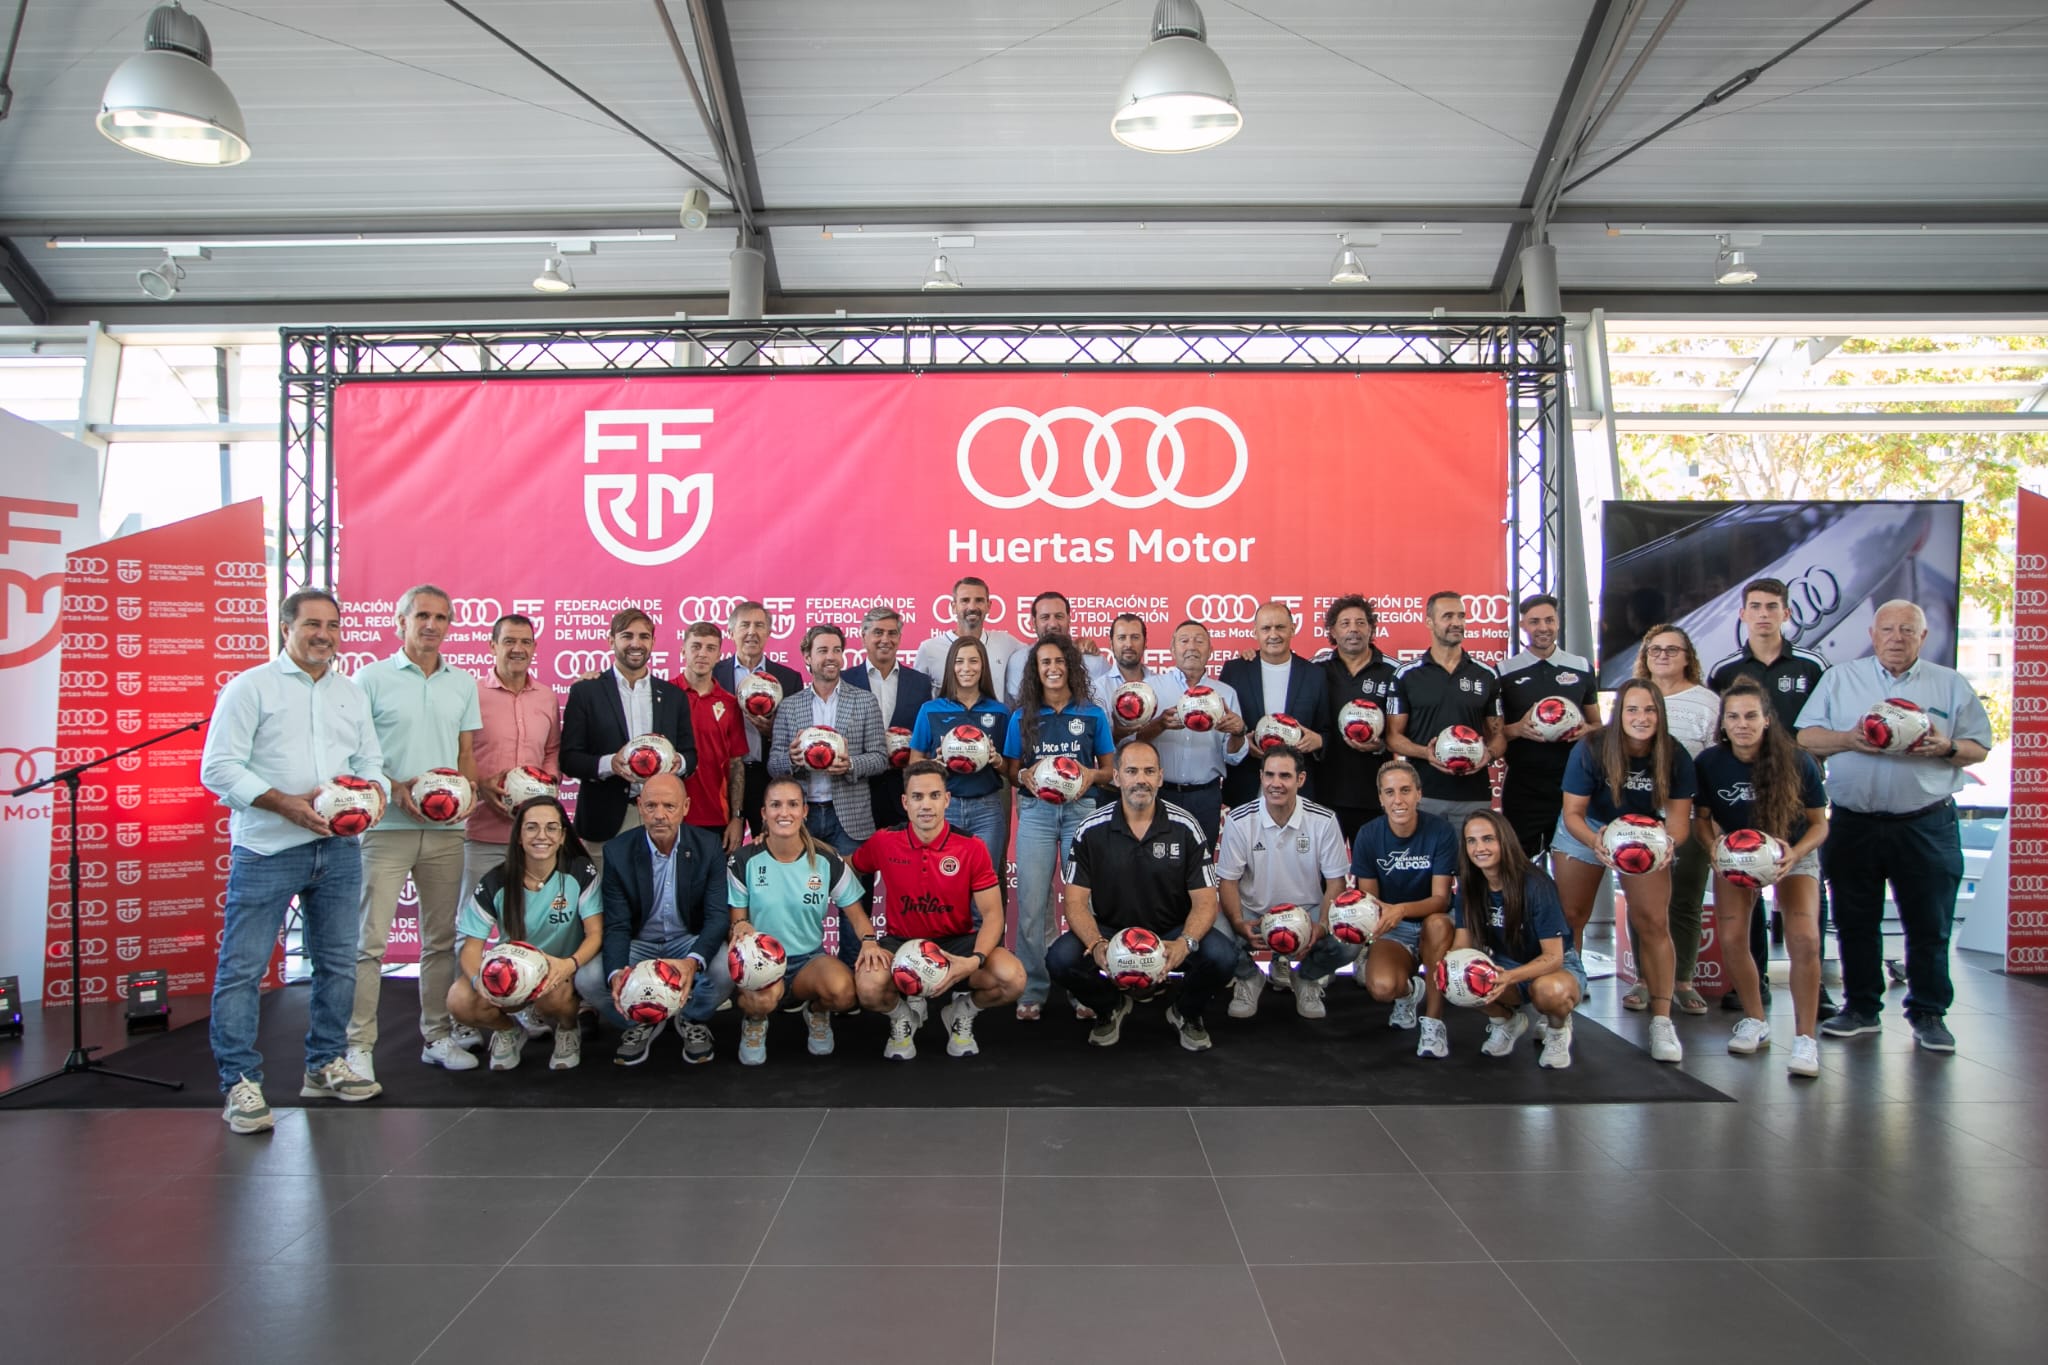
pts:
pixel 1178 96
pixel 167 101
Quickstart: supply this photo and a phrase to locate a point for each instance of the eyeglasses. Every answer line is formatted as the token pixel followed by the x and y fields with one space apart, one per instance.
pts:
pixel 1664 651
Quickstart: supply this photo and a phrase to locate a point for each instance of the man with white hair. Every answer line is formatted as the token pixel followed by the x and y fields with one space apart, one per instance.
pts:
pixel 1894 820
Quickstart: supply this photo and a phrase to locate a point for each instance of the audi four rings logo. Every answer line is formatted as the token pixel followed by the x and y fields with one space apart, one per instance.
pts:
pixel 242 644
pixel 30 765
pixel 85 642
pixel 1102 458
pixel 2030 597
pixel 2030 884
pixel 2027 957
pixel 2027 563
pixel 473 611
pixel 2029 670
pixel 352 662
pixel 227 675
pixel 716 610
pixel 239 570
pixel 2021 635
pixel 92 834
pixel 81 680
pixel 84 604
pixel 2028 741
pixel 1486 610
pixel 1223 609
pixel 241 606
pixel 574 663
pixel 81 718
pixel 60 951
pixel 2029 706
pixel 2030 848
pixel 96 567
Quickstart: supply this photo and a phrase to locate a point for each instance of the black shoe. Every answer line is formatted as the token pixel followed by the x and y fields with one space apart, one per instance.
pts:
pixel 1765 988
pixel 1732 1002
pixel 1931 1034
pixel 1827 1007
pixel 1194 1034
pixel 1849 1023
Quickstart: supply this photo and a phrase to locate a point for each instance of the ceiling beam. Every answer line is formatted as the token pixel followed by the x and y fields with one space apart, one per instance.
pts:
pixel 721 74
pixel 23 285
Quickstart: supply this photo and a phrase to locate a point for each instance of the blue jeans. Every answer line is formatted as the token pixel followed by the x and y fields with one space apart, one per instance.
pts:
pixel 327 877
pixel 823 823
pixel 987 819
pixel 1204 970
pixel 1045 835
pixel 710 988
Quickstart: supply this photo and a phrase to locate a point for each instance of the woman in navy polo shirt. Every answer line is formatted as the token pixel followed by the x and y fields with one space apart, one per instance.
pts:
pixel 967 696
pixel 1507 907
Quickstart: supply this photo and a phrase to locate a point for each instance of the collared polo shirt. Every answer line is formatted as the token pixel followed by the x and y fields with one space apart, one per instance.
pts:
pixel 720 731
pixel 1893 784
pixel 1789 680
pixel 1434 699
pixel 927 889
pixel 1140 881
pixel 1536 764
pixel 1281 864
pixel 1345 775
pixel 420 720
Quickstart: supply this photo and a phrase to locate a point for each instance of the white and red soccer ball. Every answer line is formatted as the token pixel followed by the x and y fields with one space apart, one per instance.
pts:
pixel 1554 718
pixel 821 745
pixel 1201 709
pixel 349 804
pixel 1460 749
pixel 1467 976
pixel 443 795
pixel 1354 917
pixel 760 694
pixel 528 783
pixel 1287 929
pixel 1136 960
pixel 757 961
pixel 1135 704
pixel 1750 858
pixel 651 756
pixel 1057 779
pixel 1361 722
pixel 918 967
pixel 897 743
pixel 1894 725
pixel 1637 843
pixel 511 975
pixel 966 750
pixel 652 992
pixel 1277 730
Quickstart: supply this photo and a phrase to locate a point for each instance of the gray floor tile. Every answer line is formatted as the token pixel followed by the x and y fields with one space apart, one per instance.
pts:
pixel 216 1220
pixel 355 1140
pixel 1297 1142
pixel 1764 1080
pixel 947 1141
pixel 1916 1311
pixel 1483 1138
pixel 1104 1142
pixel 2019 1128
pixel 1289 1220
pixel 1301 1302
pixel 660 1220
pixel 1791 1213
pixel 1929 1078
pixel 1128 1220
pixel 1148 1313
pixel 2032 1269
pixel 637 1312
pixel 1606 1312
pixel 1896 1135
pixel 433 1220
pixel 60 1313
pixel 343 1315
pixel 567 1143
pixel 152 1141
pixel 1648 1137
pixel 1571 1216
pixel 1996 1212
pixel 716 1142
pixel 838 1313
pixel 887 1220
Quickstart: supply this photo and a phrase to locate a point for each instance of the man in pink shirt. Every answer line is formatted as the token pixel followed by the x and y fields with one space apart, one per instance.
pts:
pixel 522 728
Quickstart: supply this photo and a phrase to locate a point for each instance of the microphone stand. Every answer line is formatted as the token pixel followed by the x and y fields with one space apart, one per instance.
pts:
pixel 80 1061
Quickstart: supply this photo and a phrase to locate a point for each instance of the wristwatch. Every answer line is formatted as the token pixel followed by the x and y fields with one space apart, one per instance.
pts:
pixel 1190 944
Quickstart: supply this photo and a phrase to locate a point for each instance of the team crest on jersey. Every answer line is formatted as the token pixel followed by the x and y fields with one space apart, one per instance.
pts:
pixel 1301 843
pixel 718 710
pixel 1159 851
pixel 560 902
pixel 949 866
pixel 816 883
pixel 1464 684
pixel 1785 685
pixel 1077 726
pixel 1567 677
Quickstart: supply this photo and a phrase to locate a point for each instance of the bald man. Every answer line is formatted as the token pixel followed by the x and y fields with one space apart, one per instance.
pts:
pixel 664 897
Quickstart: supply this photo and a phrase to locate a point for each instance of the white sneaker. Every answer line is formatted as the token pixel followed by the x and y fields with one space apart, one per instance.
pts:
pixel 818 1023
pixel 1308 998
pixel 1664 1046
pixel 1805 1056
pixel 463 1036
pixel 505 1045
pixel 1244 996
pixel 902 1044
pixel 1750 1035
pixel 958 1017
pixel 337 1080
pixel 1557 1047
pixel 1435 1041
pixel 443 1052
pixel 532 1023
pixel 1283 974
pixel 1405 1008
pixel 568 1054
pixel 360 1062
pixel 1503 1034
pixel 247 1111
pixel 753 1042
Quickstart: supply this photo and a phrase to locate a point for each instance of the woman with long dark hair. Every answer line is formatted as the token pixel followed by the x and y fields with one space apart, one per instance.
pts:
pixel 1055 718
pixel 546 893
pixel 1630 766
pixel 1693 711
pixel 1508 908
pixel 967 696
pixel 1759 778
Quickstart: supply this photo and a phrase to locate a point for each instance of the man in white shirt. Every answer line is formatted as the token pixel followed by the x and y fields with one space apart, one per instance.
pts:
pixel 1192 763
pixel 280 732
pixel 1281 850
pixel 970 617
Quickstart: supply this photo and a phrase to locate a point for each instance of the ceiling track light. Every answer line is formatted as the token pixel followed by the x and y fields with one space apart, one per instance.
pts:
pixel 1348 268
pixel 942 275
pixel 554 277
pixel 161 281
pixel 1733 266
pixel 1178 96
pixel 167 101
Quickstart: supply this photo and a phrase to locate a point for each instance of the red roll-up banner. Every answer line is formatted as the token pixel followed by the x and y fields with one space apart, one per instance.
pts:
pixel 2026 935
pixel 154 624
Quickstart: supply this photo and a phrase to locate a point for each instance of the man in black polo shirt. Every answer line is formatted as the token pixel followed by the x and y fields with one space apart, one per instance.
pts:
pixel 1356 671
pixel 1142 863
pixel 1446 687
pixel 1533 795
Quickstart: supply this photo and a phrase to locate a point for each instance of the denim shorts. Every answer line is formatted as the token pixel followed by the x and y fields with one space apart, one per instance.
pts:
pixel 1571 964
pixel 1562 841
pixel 1408 933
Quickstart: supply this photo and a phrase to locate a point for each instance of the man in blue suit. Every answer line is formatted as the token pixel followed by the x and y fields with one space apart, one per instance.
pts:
pixel 898 691
pixel 605 712
pixel 1278 680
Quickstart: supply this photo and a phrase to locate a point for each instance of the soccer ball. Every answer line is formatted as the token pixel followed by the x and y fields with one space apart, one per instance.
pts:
pixel 760 694
pixel 1553 718
pixel 443 795
pixel 1136 959
pixel 349 804
pixel 1362 722
pixel 966 750
pixel 525 784
pixel 757 961
pixel 1750 858
pixel 1278 729
pixel 653 992
pixel 651 756
pixel 1459 748
pixel 1135 704
pixel 1894 725
pixel 511 975
pixel 918 967
pixel 898 742
pixel 1057 779
pixel 1637 843
pixel 822 746
pixel 1287 929
pixel 1466 976
pixel 1201 709
pixel 1354 917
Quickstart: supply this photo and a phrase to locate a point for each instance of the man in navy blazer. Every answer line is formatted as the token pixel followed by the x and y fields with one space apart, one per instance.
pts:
pixel 749 630
pixel 664 897
pixel 898 691
pixel 602 714
pixel 1290 676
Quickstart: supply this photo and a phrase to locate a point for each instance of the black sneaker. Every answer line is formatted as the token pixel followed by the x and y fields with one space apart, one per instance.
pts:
pixel 1827 1008
pixel 1194 1034
pixel 1849 1023
pixel 1732 1002
pixel 1932 1034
